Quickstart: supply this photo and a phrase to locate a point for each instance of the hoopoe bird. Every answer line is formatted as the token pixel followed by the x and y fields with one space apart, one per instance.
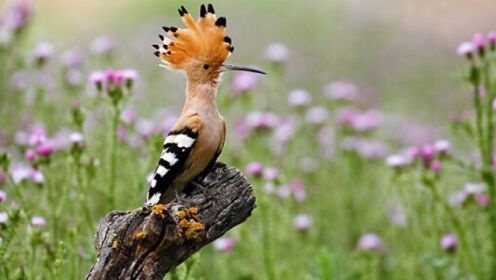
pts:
pixel 197 138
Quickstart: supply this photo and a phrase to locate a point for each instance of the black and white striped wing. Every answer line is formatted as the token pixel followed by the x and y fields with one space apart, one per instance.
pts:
pixel 177 147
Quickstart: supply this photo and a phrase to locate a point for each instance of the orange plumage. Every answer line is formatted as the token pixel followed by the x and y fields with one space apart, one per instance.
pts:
pixel 202 41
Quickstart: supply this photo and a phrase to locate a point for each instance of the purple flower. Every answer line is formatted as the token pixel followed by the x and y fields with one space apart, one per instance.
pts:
pixel 427 153
pixel 298 188
pixel 224 244
pixel 369 242
pixel 37 176
pixel 341 90
pixel 396 216
pixel 241 129
pixel 270 173
pixel 129 76
pixel 128 116
pixel 103 45
pixel 285 130
pixel 243 82
pixel 482 199
pixel 478 41
pixel 72 58
pixel 20 172
pixel 436 166
pixel 254 168
pixel 97 79
pixel 145 128
pixel 398 161
pixel 442 147
pixel 19 80
pixel 449 242
pixel 37 135
pixel 76 139
pixel 277 52
pixel 302 222
pixel 44 150
pixel 474 188
pixel 316 115
pixel 366 121
pixel 74 77
pixel 465 49
pixel 38 221
pixel 299 98
pixel 18 16
pixel 4 217
pixel 42 52
pixel 491 37
pixel 3 196
pixel 30 155
pixel 261 120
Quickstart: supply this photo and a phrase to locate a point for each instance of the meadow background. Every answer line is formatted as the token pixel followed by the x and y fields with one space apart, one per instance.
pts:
pixel 359 142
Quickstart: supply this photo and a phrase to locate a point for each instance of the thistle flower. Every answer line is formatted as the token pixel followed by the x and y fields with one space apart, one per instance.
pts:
pixel 262 120
pixel 316 115
pixel 427 153
pixel 481 199
pixel 224 244
pixel 72 58
pixel 254 168
pixel 397 161
pixel 42 52
pixel 244 82
pixel 38 221
pixel 19 16
pixel 3 196
pixel 436 166
pixel 299 98
pixel 270 173
pixel 491 37
pixel 129 76
pixel 30 155
pixel 4 217
pixel 277 52
pixel 449 242
pixel 442 147
pixel 479 42
pixel 302 222
pixel 369 242
pixel 97 79
pixel 103 45
pixel 45 149
pixel 341 90
pixel 76 140
pixel 466 49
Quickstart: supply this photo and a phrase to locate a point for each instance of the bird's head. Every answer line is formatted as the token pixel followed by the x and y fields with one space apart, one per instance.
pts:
pixel 200 49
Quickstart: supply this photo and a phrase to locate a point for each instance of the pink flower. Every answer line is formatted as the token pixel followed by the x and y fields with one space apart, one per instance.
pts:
pixel 369 242
pixel 478 41
pixel 18 17
pixel 42 52
pixel 442 147
pixel 145 128
pixel 97 79
pixel 20 172
pixel 465 49
pixel 76 138
pixel 299 98
pixel 341 90
pixel 37 176
pixel 4 217
pixel 3 196
pixel 254 168
pixel 243 82
pixel 316 115
pixel 436 166
pixel 224 244
pixel 72 58
pixel 302 222
pixel 449 242
pixel 262 120
pixel 270 173
pixel 398 161
pixel 482 199
pixel 103 45
pixel 38 221
pixel 30 155
pixel 277 52
pixel 491 37
pixel 396 216
pixel 44 150
pixel 427 153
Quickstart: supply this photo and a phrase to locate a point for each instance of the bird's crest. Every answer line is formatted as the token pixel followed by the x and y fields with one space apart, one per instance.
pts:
pixel 202 41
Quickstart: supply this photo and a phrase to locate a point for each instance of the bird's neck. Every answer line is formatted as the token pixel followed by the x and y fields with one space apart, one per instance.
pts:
pixel 200 96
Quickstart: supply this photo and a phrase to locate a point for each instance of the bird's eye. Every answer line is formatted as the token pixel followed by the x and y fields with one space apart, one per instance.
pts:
pixel 205 66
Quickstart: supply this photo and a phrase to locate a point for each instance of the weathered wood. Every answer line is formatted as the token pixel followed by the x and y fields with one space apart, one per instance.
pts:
pixel 146 243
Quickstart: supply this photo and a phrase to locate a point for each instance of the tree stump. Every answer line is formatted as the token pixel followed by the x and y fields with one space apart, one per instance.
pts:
pixel 147 242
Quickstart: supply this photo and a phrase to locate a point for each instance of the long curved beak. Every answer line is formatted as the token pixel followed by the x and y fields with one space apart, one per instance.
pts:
pixel 241 68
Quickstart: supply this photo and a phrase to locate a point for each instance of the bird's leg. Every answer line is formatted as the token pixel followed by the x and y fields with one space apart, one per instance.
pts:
pixel 200 187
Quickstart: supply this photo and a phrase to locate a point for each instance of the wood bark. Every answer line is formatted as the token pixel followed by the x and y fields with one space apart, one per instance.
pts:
pixel 147 242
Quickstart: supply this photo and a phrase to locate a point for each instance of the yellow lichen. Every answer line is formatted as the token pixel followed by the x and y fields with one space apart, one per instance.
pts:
pixel 115 244
pixel 181 214
pixel 193 210
pixel 141 234
pixel 184 224
pixel 159 210
pixel 195 231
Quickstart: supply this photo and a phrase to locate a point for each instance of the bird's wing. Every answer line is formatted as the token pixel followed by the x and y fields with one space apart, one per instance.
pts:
pixel 177 147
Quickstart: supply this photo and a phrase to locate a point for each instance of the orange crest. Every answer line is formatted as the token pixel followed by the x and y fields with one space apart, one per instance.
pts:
pixel 202 41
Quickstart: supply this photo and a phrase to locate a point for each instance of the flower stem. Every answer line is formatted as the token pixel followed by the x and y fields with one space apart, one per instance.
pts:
pixel 113 154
